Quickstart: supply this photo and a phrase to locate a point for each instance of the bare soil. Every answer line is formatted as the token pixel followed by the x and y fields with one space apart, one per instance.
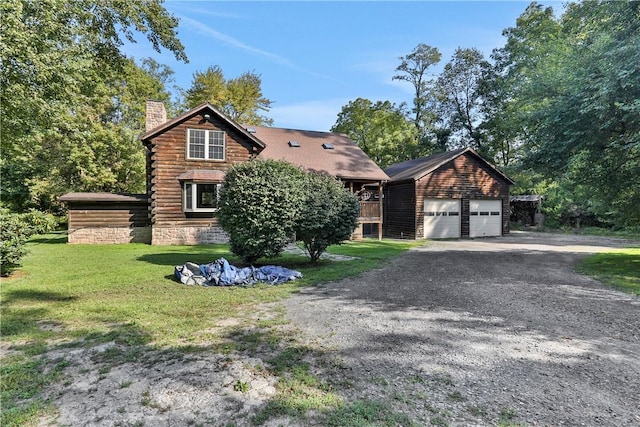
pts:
pixel 497 331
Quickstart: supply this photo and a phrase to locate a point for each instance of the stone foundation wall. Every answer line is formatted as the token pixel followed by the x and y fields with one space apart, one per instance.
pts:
pixel 188 235
pixel 109 235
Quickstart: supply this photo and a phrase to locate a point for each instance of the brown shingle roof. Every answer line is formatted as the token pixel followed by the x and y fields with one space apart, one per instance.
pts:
pixel 345 160
pixel 202 175
pixel 417 168
pixel 103 197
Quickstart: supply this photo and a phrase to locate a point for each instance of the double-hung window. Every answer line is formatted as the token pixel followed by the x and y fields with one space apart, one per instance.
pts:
pixel 200 197
pixel 204 144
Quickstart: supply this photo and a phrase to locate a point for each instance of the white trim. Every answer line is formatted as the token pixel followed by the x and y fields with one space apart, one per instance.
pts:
pixel 190 196
pixel 208 144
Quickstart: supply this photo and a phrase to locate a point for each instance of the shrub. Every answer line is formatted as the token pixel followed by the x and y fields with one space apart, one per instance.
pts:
pixel 329 214
pixel 15 229
pixel 259 204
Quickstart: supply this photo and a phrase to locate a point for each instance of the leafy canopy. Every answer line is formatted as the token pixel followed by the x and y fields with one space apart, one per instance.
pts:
pixel 70 99
pixel 240 98
pixel 381 130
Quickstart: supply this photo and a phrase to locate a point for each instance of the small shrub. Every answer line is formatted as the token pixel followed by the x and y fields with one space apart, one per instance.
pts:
pixel 15 230
pixel 329 214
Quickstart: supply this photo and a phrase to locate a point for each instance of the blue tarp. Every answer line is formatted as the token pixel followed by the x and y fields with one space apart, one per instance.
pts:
pixel 221 273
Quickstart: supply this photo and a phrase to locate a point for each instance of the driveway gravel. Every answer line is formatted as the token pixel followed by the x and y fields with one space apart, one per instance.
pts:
pixel 483 332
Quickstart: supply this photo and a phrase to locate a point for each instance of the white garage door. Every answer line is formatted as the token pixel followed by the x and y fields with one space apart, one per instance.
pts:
pixel 485 218
pixel 441 218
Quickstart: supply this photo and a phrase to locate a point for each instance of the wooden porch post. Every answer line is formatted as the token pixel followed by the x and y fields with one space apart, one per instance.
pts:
pixel 380 211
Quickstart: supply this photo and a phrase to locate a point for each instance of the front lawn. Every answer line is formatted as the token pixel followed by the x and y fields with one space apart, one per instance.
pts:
pixel 82 295
pixel 620 269
pixel 86 289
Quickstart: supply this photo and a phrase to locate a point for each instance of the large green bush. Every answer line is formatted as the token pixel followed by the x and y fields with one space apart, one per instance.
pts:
pixel 15 230
pixel 329 214
pixel 260 202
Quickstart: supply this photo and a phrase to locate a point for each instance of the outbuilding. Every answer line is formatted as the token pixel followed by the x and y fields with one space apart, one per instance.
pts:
pixel 447 195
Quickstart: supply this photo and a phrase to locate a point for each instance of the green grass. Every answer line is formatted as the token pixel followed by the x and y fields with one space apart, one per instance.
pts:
pixel 81 295
pixel 620 269
pixel 363 413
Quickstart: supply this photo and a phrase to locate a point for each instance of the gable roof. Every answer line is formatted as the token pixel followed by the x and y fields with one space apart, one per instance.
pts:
pixel 325 152
pixel 200 109
pixel 417 168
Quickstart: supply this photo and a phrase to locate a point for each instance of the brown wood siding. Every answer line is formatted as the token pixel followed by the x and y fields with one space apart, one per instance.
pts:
pixel 87 214
pixel 169 160
pixel 464 178
pixel 399 211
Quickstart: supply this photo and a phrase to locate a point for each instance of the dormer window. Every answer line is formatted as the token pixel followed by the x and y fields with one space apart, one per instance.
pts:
pixel 204 144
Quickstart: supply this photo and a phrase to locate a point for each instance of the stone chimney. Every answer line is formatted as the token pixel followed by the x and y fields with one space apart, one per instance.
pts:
pixel 156 114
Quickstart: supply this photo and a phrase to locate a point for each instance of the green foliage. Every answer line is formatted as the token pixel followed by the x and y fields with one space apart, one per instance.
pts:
pixel 70 100
pixel 413 69
pixel 260 203
pixel 240 98
pixel 381 130
pixel 329 214
pixel 575 83
pixel 460 98
pixel 15 230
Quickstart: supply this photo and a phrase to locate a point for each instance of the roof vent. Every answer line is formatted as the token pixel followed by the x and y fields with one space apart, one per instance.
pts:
pixel 327 146
pixel 251 130
pixel 294 144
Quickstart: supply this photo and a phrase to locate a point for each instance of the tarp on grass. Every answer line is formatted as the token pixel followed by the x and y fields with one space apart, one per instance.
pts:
pixel 221 273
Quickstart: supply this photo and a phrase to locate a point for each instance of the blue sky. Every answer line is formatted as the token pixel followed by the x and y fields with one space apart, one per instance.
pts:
pixel 315 57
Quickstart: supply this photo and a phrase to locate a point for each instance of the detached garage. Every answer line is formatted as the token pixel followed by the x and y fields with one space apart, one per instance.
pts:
pixel 447 195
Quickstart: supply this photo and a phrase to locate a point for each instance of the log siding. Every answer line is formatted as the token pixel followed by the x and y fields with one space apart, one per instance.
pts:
pixel 168 159
pixel 466 177
pixel 109 222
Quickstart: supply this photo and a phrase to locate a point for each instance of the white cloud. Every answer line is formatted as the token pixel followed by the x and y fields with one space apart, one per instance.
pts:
pixel 231 41
pixel 319 115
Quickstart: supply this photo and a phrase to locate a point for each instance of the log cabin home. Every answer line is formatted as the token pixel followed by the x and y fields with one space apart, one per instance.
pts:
pixel 446 195
pixel 187 158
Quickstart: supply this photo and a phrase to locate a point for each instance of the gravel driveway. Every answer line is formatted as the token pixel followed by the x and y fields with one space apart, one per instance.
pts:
pixel 483 332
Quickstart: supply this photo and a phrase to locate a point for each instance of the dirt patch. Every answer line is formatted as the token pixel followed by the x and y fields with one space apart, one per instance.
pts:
pixel 112 385
pixel 459 333
pixel 481 332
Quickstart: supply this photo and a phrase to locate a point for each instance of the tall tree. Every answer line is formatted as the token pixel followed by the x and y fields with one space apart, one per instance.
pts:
pixel 413 69
pixel 92 148
pixel 460 99
pixel 61 78
pixel 576 83
pixel 240 98
pixel 380 129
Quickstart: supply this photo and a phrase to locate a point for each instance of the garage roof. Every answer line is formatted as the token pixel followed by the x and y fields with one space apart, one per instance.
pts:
pixel 417 168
